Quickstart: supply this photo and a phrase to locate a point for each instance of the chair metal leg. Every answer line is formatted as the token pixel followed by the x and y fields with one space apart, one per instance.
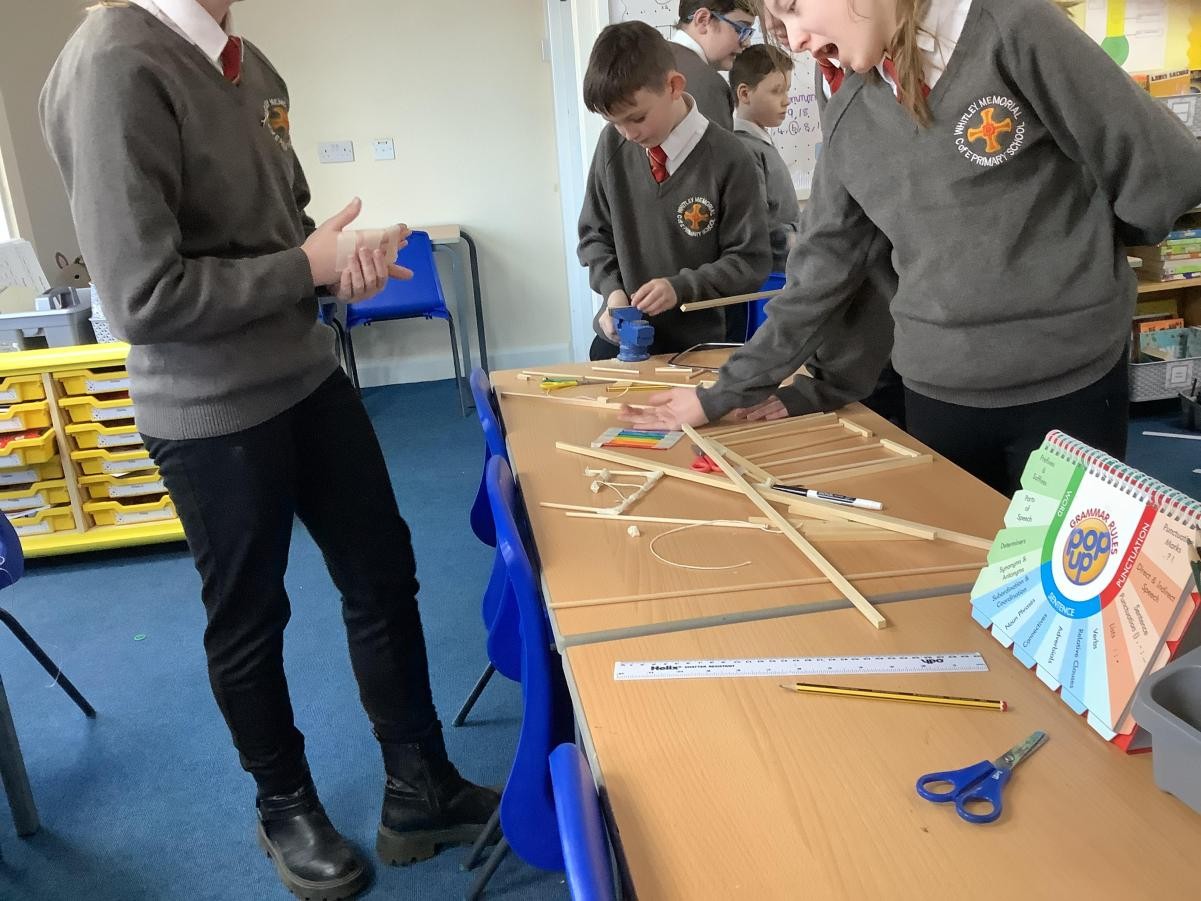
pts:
pixel 47 664
pixel 12 771
pixel 486 834
pixel 340 337
pixel 454 352
pixel 348 354
pixel 493 864
pixel 480 684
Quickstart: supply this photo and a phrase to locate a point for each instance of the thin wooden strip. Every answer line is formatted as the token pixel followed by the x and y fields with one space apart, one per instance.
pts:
pixel 833 439
pixel 609 378
pixel 866 467
pixel 774 425
pixel 762 586
pixel 801 459
pixel 838 531
pixel 586 513
pixel 849 591
pixel 596 403
pixel 856 427
pixel 726 301
pixel 764 477
pixel 899 448
pixel 799 433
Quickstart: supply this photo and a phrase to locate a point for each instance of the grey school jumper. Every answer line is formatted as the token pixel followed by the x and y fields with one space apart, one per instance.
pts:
pixel 188 202
pixel 704 230
pixel 710 91
pixel 783 210
pixel 1008 217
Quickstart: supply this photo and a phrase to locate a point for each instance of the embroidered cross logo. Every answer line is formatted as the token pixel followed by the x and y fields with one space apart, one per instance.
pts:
pixel 989 130
pixel 696 217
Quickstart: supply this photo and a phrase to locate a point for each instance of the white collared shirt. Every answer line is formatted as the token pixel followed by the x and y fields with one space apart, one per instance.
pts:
pixel 937 38
pixel 685 136
pixel 687 40
pixel 193 23
pixel 754 128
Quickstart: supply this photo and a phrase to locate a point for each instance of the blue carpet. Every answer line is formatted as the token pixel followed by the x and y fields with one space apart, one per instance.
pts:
pixel 148 801
pixel 1171 460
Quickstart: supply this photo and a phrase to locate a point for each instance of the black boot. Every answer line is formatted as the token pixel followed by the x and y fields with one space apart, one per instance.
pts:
pixel 427 804
pixel 313 860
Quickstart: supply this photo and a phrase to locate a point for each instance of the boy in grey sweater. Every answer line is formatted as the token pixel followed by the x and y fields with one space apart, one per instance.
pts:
pixel 709 36
pixel 672 211
pixel 760 79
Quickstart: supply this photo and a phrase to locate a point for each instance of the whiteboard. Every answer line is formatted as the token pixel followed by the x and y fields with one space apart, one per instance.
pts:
pixel 799 138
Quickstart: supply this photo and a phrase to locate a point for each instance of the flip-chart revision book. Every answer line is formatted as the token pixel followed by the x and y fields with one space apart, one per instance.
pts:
pixel 1089 582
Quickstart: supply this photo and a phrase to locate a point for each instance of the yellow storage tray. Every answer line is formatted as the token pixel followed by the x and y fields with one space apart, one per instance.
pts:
pixel 116 513
pixel 22 450
pixel 24 476
pixel 23 417
pixel 91 435
pixel 19 388
pixel 39 494
pixel 91 409
pixel 96 462
pixel 137 484
pixel 93 381
pixel 52 519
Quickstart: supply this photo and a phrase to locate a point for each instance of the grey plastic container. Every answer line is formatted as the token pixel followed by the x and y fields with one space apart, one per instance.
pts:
pixel 48 328
pixel 1168 705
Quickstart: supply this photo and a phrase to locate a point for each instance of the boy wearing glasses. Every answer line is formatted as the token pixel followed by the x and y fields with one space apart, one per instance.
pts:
pixel 673 210
pixel 709 36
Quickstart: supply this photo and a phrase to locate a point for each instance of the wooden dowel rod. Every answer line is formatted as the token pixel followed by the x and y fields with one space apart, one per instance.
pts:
pixel 798 433
pixel 763 586
pixel 762 456
pixel 865 468
pixel 852 594
pixel 808 419
pixel 695 305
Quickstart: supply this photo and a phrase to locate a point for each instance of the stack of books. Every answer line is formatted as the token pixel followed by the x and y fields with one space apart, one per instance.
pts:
pixel 1177 257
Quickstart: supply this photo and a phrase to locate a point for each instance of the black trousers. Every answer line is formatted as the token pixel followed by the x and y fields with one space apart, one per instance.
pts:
pixel 236 496
pixel 994 443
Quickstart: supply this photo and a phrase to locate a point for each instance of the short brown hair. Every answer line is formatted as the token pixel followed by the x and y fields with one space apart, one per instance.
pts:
pixel 626 58
pixel 757 62
pixel 689 8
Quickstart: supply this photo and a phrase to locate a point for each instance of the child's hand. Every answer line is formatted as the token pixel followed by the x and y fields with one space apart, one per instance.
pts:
pixel 614 300
pixel 667 410
pixel 655 296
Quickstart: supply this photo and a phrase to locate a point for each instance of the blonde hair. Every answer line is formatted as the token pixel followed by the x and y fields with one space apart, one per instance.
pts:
pixel 907 55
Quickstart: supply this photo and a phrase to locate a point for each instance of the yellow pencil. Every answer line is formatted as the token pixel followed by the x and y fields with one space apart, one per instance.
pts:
pixel 913 697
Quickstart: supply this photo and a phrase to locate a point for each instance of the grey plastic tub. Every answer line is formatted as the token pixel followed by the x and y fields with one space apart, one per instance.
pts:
pixel 1168 705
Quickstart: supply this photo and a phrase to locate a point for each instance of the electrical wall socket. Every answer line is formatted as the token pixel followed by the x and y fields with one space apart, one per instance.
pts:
pixel 384 148
pixel 335 152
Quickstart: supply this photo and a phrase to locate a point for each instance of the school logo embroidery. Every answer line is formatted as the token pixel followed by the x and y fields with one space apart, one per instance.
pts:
pixel 697 216
pixel 275 117
pixel 991 132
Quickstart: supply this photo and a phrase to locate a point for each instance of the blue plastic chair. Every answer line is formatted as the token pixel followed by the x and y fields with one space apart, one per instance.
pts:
pixel 756 315
pixel 12 764
pixel 421 295
pixel 504 640
pixel 526 815
pixel 581 826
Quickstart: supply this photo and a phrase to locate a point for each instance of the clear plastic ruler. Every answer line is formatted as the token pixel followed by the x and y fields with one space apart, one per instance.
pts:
pixel 967 662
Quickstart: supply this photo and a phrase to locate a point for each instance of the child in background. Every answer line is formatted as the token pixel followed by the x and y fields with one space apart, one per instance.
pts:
pixel 672 211
pixel 710 35
pixel 1009 162
pixel 760 79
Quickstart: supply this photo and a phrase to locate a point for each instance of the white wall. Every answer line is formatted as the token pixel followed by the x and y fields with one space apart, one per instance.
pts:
pixel 463 89
pixel 31 34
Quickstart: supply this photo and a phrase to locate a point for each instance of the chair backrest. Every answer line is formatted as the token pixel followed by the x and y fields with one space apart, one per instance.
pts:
pixel 527 806
pixel 581 827
pixel 419 296
pixel 494 445
pixel 756 312
pixel 12 559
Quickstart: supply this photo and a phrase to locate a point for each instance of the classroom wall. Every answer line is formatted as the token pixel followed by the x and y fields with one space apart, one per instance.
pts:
pixel 464 91
pixel 31 34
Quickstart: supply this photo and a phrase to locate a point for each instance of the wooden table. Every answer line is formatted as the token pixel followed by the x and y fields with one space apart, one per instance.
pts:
pixel 584 560
pixel 734 788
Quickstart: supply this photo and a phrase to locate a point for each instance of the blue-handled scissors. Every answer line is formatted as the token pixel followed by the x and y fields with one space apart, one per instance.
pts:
pixel 981 782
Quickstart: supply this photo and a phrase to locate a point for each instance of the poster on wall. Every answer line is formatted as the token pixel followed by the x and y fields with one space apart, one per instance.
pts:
pixel 799 137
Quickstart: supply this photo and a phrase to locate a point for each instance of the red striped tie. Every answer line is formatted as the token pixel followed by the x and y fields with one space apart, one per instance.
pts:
pixel 891 71
pixel 833 75
pixel 231 59
pixel 658 158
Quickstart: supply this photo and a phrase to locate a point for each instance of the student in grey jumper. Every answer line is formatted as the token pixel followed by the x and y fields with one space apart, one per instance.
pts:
pixel 672 211
pixel 1009 194
pixel 709 36
pixel 173 139
pixel 760 79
